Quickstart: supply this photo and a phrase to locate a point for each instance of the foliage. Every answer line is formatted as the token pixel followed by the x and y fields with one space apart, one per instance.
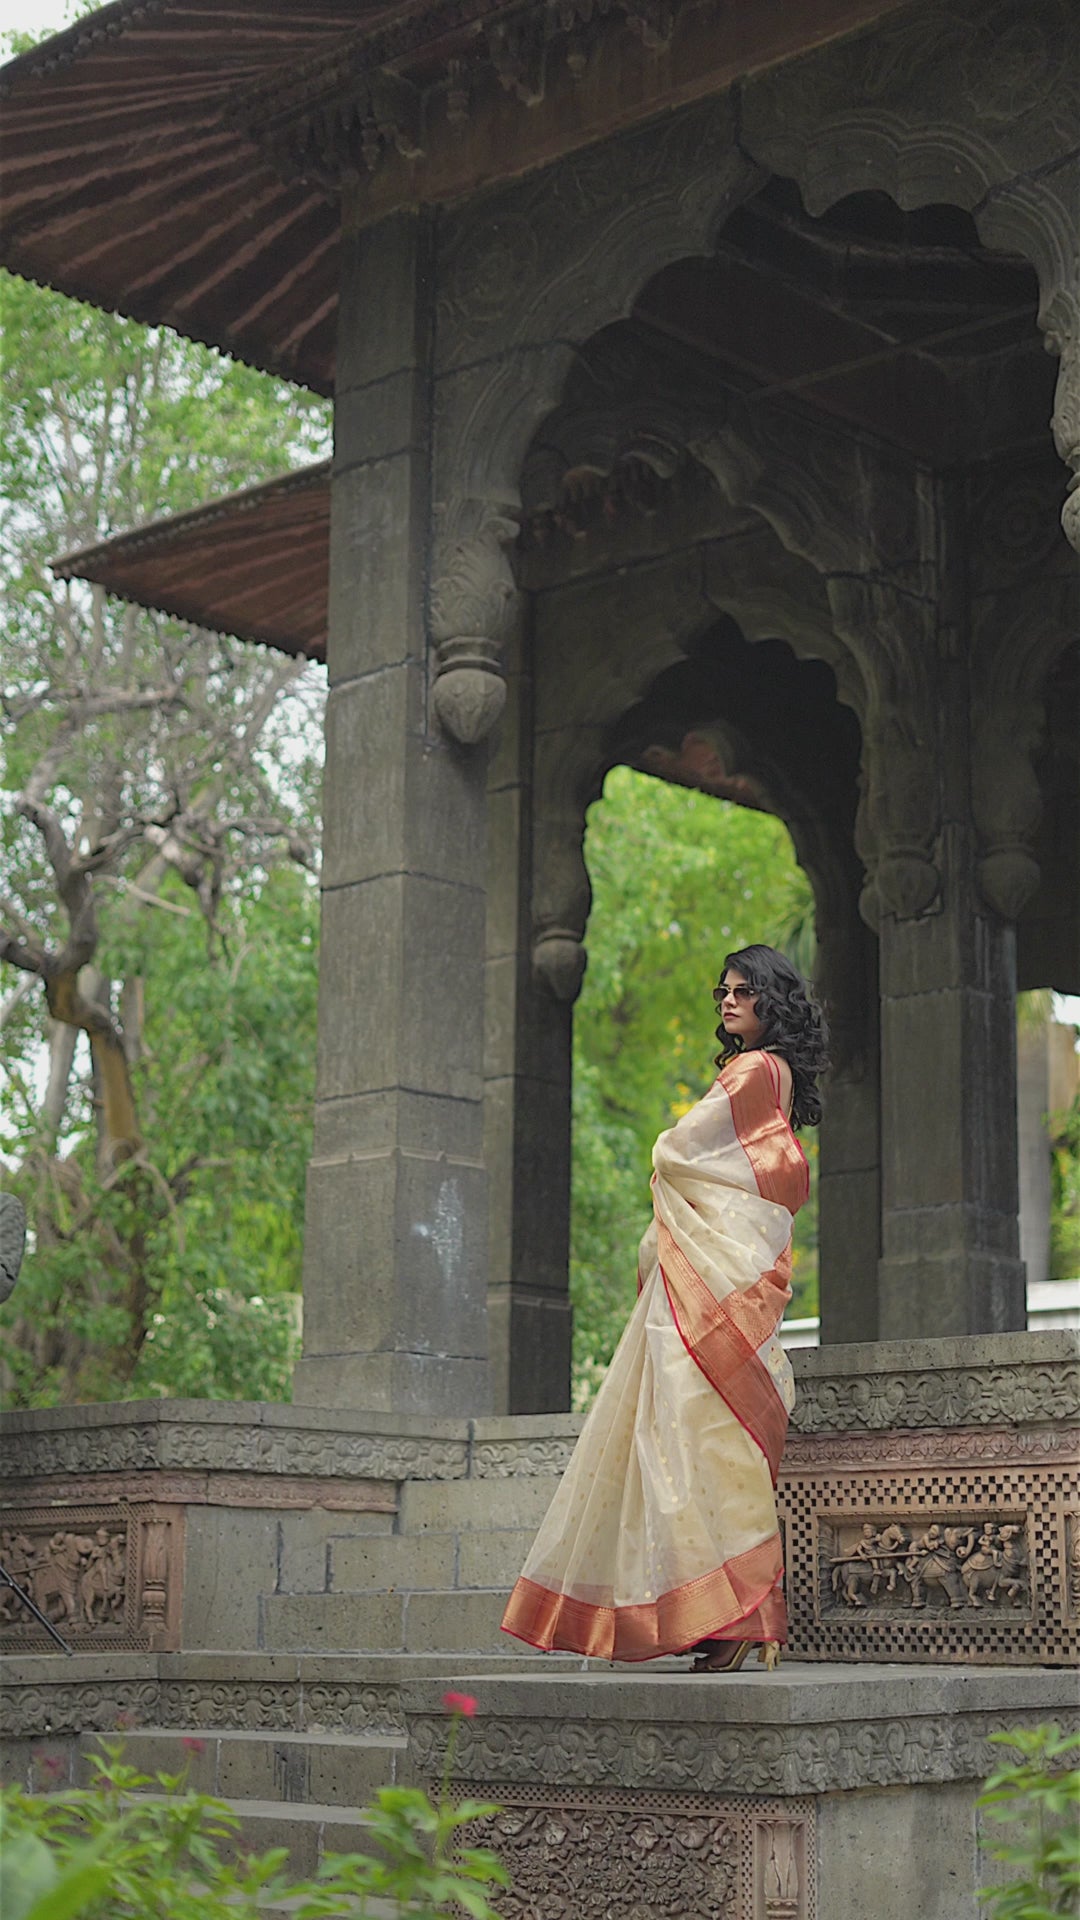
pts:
pixel 1037 1796
pixel 1065 1188
pixel 679 879
pixel 225 1084
pixel 158 1031
pixel 136 1847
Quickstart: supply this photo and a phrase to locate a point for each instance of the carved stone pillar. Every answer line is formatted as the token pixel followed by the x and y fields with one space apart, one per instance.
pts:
pixel 396 1239
pixel 950 1257
pixel 527 1089
pixel 849 1152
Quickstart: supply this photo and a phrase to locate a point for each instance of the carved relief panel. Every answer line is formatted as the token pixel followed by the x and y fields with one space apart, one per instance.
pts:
pixel 660 1856
pixel 958 1562
pixel 107 1577
pixel 956 1546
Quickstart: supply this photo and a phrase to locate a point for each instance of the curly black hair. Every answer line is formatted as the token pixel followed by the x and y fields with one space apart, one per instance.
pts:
pixel 794 1025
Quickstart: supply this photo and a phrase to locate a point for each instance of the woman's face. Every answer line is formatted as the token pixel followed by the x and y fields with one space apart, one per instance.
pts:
pixel 737 1014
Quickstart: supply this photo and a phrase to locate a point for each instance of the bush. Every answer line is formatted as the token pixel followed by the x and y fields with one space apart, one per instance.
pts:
pixel 136 1847
pixel 1037 1795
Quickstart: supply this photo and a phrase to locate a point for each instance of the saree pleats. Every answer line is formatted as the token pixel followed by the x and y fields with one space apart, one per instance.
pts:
pixel 663 1531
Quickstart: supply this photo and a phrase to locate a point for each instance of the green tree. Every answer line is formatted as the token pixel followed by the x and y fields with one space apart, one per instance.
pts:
pixel 679 879
pixel 157 777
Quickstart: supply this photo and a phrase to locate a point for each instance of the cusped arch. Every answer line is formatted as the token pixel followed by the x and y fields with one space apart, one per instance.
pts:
pixel 770 593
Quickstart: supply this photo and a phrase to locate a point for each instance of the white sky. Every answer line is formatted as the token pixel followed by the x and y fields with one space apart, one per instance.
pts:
pixel 33 16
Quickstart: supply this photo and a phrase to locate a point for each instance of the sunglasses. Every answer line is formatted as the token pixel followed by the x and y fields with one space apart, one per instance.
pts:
pixel 737 993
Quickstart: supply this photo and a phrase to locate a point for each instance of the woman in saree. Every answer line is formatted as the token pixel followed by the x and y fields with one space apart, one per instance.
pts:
pixel 663 1535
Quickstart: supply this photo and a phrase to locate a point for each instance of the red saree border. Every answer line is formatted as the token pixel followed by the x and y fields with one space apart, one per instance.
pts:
pixel 746 1593
pixel 722 1337
pixel 759 1121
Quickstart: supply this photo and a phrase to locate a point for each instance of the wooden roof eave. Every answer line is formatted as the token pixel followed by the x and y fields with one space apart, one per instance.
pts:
pixel 253 564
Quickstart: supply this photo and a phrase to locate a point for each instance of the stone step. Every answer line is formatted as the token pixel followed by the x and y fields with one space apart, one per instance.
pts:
pixel 309 1832
pixel 333 1769
pixel 446 1622
pixel 476 1506
pixel 421 1562
pixel 392 1565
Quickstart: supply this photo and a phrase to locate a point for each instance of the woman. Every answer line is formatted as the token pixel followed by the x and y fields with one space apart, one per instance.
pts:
pixel 663 1535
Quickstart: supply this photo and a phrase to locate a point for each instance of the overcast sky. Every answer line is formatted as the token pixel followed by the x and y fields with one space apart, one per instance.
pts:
pixel 33 16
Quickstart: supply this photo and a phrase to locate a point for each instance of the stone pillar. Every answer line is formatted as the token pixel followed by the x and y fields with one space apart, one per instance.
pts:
pixel 527 1098
pixel 1033 1103
pixel 396 1232
pixel 950 1258
pixel 849 1163
pixel 950 1252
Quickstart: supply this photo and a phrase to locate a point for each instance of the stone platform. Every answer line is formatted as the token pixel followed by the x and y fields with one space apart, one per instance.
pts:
pixel 817 1791
pixel 928 1497
pixel 297 1588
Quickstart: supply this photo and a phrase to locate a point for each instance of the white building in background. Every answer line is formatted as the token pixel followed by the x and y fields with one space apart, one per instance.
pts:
pixel 1048 1074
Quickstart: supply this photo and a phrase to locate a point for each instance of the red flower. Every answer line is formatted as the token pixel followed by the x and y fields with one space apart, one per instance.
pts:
pixel 124 1720
pixel 191 1745
pixel 462 1703
pixel 50 1764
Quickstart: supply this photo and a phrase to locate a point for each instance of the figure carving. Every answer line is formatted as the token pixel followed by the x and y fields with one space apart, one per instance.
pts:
pixel 967 1566
pixel 979 1570
pixel 1012 1578
pixel 19 1557
pixel 934 1562
pixel 77 1579
pixel 861 1568
pixel 101 1584
pixel 55 1577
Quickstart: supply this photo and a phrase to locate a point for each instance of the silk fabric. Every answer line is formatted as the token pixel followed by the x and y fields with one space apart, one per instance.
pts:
pixel 663 1531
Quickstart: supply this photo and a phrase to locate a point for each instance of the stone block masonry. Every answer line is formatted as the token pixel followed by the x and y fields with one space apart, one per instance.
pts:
pixel 934 1587
pixel 928 1498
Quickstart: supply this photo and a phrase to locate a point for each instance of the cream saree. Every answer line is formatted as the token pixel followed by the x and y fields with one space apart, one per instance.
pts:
pixel 663 1531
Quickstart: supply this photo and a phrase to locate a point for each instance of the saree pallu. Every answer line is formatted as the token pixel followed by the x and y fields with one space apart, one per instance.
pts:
pixel 663 1531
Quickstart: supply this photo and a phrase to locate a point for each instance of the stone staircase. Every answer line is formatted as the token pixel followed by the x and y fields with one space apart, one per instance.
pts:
pixel 296 1790
pixel 437 1583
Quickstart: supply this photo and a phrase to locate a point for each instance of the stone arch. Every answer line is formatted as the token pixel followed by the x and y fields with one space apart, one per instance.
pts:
pixel 661 613
pixel 955 105
pixel 530 274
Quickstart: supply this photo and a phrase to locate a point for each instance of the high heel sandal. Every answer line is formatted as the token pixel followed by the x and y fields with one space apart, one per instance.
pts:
pixel 720 1656
pixel 727 1656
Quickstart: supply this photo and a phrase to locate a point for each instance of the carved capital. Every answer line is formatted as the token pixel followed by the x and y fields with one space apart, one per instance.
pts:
pixel 471 605
pixel 899 814
pixel 1013 657
pixel 1006 803
pixel 474 588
